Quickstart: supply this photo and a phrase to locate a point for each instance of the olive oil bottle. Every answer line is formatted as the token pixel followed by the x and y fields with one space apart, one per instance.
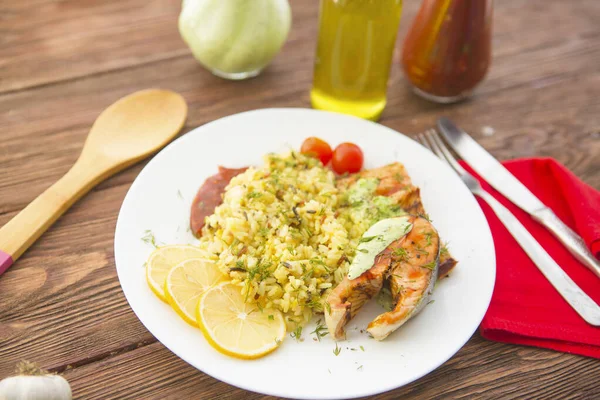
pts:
pixel 354 54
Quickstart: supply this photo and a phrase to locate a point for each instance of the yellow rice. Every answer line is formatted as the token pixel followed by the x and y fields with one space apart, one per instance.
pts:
pixel 279 236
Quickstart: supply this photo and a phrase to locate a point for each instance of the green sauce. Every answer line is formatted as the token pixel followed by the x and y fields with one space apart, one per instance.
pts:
pixel 365 205
pixel 375 240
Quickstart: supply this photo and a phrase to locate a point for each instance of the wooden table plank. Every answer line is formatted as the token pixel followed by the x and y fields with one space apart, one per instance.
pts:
pixel 75 39
pixel 62 114
pixel 62 62
pixel 511 372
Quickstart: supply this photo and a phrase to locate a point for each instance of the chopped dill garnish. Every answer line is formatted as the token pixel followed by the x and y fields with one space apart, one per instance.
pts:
pixel 320 330
pixel 362 348
pixel 353 349
pixel 422 251
pixel 148 238
pixel 363 250
pixel 426 216
pixel 297 334
pixel 314 302
pixel 316 261
pixel 359 368
pixel 328 307
pixel 368 238
pixel 430 301
pixel 179 194
pixel 263 231
pixel 253 195
pixel 400 253
pixel 337 349
pixel 308 273
pixel 271 317
pixel 430 265
pixel 428 237
pixel 444 250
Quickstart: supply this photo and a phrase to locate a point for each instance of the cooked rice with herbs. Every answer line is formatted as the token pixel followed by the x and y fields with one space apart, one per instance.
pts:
pixel 286 234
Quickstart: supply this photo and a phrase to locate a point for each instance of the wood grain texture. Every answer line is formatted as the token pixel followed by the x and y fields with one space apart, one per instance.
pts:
pixel 64 61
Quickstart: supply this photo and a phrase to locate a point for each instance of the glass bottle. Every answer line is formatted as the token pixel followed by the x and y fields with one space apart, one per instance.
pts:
pixel 447 51
pixel 235 39
pixel 354 54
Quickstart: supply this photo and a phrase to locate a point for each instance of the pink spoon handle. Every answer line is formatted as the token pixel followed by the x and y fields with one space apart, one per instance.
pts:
pixel 5 261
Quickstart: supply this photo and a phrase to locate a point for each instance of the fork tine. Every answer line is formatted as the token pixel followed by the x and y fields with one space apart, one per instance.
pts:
pixel 423 141
pixel 443 152
pixel 431 145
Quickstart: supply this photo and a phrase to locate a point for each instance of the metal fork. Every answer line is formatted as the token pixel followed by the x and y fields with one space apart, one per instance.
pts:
pixel 581 302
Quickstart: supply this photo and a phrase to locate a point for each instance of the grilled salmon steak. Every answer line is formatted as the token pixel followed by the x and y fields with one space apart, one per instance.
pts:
pixel 412 276
pixel 351 294
pixel 411 265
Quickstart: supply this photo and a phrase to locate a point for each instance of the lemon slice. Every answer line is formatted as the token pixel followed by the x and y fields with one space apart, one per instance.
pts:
pixel 187 281
pixel 162 260
pixel 237 328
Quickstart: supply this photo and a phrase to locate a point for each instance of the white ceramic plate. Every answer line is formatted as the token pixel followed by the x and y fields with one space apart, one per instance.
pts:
pixel 160 198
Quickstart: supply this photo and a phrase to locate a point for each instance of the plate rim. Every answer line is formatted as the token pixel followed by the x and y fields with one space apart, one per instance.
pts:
pixel 184 137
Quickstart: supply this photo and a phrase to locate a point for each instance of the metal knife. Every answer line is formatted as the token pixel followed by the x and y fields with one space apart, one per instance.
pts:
pixel 504 182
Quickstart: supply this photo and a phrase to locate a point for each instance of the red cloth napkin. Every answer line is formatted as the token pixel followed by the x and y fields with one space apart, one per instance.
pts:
pixel 525 309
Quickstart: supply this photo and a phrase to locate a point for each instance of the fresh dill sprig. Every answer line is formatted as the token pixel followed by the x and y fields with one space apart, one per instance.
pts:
pixel 149 238
pixel 400 254
pixel 367 239
pixel 430 265
pixel 444 249
pixel 362 348
pixel 428 237
pixel 337 349
pixel 263 231
pixel 297 333
pixel 253 195
pixel 320 330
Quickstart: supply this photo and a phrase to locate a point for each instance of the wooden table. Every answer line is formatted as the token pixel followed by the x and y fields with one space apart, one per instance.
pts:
pixel 63 61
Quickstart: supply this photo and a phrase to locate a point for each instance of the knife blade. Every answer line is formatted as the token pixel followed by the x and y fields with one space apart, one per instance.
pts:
pixel 504 182
pixel 488 167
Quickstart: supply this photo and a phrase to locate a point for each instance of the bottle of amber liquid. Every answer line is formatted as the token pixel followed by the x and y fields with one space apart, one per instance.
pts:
pixel 354 54
pixel 447 51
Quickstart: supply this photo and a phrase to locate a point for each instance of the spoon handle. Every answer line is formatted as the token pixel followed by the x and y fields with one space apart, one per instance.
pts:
pixel 24 229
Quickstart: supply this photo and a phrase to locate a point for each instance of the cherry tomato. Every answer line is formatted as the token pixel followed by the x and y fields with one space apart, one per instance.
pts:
pixel 347 157
pixel 318 148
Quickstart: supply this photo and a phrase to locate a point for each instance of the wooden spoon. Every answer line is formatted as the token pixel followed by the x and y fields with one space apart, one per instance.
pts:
pixel 125 133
